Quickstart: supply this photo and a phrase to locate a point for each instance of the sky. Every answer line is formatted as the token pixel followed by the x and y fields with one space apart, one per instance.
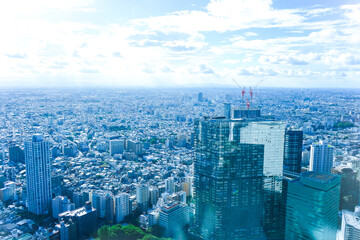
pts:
pixel 173 43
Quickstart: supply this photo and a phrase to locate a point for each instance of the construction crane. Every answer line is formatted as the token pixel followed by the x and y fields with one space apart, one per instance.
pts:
pixel 259 83
pixel 242 91
pixel 236 83
pixel 248 102
pixel 251 91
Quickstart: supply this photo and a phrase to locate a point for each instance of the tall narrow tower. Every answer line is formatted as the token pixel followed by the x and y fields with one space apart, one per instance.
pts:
pixel 38 175
pixel 228 182
pixel 293 151
pixel 122 206
pixel 321 157
pixel 142 196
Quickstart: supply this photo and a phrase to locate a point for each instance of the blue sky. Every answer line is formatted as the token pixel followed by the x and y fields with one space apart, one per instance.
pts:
pixel 171 43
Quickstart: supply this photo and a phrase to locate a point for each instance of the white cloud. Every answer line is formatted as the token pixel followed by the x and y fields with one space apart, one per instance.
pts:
pixel 352 12
pixel 337 58
pixel 325 36
pixel 188 47
pixel 316 12
pixel 224 15
pixel 250 34
pixel 292 59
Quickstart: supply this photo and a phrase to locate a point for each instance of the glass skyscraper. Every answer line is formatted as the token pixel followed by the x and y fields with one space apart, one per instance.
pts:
pixel 293 151
pixel 238 170
pixel 270 134
pixel 228 182
pixel 38 175
pixel 349 188
pixel 312 206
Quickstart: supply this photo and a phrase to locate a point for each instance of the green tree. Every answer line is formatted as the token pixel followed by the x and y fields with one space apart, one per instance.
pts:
pixel 116 231
pixel 149 237
pixel 131 232
pixel 104 233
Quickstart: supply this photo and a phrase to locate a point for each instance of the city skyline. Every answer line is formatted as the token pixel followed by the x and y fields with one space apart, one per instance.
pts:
pixel 179 163
pixel 180 120
pixel 180 44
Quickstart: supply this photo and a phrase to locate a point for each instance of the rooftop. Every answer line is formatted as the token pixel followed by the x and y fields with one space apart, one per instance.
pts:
pixel 351 219
pixel 320 181
pixel 318 176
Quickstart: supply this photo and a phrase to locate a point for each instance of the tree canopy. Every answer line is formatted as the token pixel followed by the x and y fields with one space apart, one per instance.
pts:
pixel 128 232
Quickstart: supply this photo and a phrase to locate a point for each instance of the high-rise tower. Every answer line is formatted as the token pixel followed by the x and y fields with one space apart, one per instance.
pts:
pixel 122 206
pixel 270 134
pixel 312 206
pixel 142 196
pixel 293 151
pixel 38 175
pixel 238 170
pixel 228 182
pixel 321 157
pixel 349 188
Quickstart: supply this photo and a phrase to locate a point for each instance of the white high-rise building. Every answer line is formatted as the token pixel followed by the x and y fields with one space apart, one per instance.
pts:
pixel 321 157
pixel 38 175
pixel 350 224
pixel 170 185
pixel 103 202
pixel 122 206
pixel 142 196
pixel 116 147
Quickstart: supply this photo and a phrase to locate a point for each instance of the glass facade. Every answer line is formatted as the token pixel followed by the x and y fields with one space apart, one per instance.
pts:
pixel 293 151
pixel 312 206
pixel 270 134
pixel 349 188
pixel 228 182
pixel 237 178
